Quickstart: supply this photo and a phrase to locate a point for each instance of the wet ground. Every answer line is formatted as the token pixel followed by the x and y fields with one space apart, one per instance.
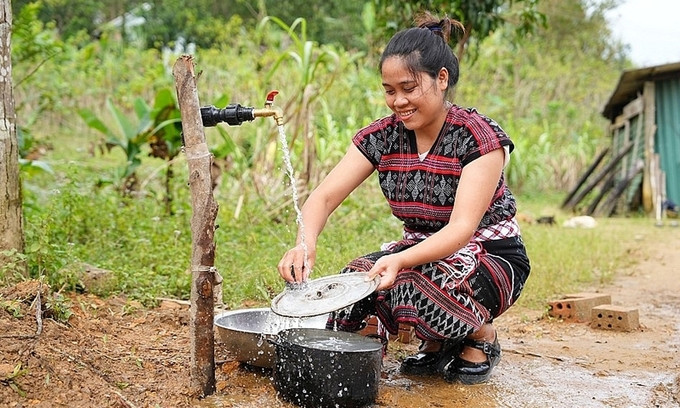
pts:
pixel 546 362
pixel 115 353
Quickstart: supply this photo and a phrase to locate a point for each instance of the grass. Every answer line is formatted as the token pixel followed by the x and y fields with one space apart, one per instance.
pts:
pixel 71 220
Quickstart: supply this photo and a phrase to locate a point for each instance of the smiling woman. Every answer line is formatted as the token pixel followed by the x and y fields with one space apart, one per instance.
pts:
pixel 461 261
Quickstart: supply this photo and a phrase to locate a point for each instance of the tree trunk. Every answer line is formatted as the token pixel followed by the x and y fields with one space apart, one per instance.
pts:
pixel 203 273
pixel 11 227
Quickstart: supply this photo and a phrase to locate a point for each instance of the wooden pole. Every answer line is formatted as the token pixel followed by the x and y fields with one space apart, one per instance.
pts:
pixel 648 179
pixel 203 218
pixel 585 176
pixel 11 218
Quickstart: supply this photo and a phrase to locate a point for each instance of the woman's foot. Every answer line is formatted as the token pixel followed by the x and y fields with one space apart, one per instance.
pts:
pixel 425 362
pixel 480 354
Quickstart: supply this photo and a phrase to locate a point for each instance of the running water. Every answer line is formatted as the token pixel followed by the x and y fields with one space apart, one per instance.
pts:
pixel 275 323
pixel 293 187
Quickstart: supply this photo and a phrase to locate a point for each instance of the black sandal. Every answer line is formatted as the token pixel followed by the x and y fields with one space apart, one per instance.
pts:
pixel 429 363
pixel 474 373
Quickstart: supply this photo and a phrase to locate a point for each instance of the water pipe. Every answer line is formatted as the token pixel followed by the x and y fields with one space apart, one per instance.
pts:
pixel 235 114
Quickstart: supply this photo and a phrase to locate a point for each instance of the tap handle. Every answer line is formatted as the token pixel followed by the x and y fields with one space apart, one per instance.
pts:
pixel 270 98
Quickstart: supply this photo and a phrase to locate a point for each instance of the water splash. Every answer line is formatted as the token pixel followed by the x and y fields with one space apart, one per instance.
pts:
pixel 293 187
pixel 274 323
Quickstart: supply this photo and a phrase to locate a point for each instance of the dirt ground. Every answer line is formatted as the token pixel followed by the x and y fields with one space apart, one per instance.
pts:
pixel 114 353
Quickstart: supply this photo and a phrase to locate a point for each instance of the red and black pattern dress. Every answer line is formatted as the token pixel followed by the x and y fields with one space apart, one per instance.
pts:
pixel 454 296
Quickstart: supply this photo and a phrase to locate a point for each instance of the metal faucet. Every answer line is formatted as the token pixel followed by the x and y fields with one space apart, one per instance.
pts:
pixel 269 110
pixel 235 114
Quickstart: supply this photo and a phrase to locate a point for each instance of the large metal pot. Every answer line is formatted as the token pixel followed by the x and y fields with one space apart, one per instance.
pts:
pixel 245 332
pixel 317 368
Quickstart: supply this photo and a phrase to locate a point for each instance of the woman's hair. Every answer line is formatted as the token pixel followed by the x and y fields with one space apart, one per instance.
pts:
pixel 425 47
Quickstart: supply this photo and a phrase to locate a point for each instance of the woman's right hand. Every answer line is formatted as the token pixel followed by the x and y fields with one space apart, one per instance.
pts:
pixel 293 267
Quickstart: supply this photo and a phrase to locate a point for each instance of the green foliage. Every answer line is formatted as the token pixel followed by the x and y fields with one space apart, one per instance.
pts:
pixel 158 127
pixel 481 18
pixel 58 307
pixel 129 137
pixel 13 265
pixel 316 68
pixel 547 96
pixel 12 307
pixel 11 379
pixel 79 222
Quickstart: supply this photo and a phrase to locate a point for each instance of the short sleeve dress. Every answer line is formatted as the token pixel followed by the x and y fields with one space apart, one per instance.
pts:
pixel 454 296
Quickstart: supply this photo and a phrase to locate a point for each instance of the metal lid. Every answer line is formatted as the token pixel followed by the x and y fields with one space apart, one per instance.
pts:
pixel 323 295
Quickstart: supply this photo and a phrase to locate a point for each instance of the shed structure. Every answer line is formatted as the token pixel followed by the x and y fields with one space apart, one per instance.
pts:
pixel 643 168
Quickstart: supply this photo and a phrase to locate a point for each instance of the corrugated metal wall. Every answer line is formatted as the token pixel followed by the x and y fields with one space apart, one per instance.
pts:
pixel 667 139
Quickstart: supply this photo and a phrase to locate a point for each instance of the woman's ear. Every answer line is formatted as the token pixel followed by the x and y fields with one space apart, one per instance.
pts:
pixel 443 79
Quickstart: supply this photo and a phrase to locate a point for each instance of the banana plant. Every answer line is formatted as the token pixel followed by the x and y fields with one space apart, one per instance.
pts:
pixel 128 137
pixel 158 126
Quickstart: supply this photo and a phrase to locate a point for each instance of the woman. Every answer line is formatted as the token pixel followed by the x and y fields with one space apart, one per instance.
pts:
pixel 461 261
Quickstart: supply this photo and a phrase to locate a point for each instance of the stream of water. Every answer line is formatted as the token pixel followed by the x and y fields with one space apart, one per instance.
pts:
pixel 275 323
pixel 293 186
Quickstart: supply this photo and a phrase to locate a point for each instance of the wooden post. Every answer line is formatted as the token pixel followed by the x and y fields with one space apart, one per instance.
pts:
pixel 11 219
pixel 203 218
pixel 648 178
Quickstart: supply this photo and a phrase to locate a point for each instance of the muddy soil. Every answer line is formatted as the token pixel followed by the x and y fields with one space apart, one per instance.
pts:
pixel 115 353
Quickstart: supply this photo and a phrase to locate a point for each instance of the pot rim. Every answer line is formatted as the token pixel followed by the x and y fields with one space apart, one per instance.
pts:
pixel 287 338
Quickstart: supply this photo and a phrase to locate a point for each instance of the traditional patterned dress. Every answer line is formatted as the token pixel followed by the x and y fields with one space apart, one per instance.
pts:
pixel 454 296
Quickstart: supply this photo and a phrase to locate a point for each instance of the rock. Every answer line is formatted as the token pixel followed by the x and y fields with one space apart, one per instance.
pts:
pixel 94 279
pixel 582 221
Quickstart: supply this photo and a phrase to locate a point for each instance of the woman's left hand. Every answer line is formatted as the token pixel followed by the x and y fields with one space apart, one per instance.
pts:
pixel 387 268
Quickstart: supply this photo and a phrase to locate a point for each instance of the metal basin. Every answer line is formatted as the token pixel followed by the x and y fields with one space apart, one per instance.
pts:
pixel 246 333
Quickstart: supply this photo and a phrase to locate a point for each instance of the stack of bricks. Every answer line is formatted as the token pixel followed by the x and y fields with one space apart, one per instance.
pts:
pixel 597 309
pixel 406 333
pixel 577 307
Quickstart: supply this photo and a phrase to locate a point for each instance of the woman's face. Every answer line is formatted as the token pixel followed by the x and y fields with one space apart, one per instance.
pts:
pixel 417 100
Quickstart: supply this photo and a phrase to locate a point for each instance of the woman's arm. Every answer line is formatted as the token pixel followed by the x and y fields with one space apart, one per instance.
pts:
pixel 477 186
pixel 347 175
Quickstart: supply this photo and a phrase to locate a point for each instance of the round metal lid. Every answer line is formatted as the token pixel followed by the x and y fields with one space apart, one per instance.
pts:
pixel 323 295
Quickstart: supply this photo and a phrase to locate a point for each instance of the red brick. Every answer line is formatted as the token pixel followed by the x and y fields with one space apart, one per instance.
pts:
pixel 577 307
pixel 406 333
pixel 620 318
pixel 371 326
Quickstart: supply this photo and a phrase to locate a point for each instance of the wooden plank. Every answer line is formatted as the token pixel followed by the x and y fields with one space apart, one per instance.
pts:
pixel 635 154
pixel 585 176
pixel 648 182
pixel 203 218
pixel 601 175
pixel 607 208
pixel 606 186
pixel 624 161
pixel 634 108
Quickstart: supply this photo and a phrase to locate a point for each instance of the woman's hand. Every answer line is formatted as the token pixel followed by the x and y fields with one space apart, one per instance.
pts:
pixel 293 268
pixel 387 268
